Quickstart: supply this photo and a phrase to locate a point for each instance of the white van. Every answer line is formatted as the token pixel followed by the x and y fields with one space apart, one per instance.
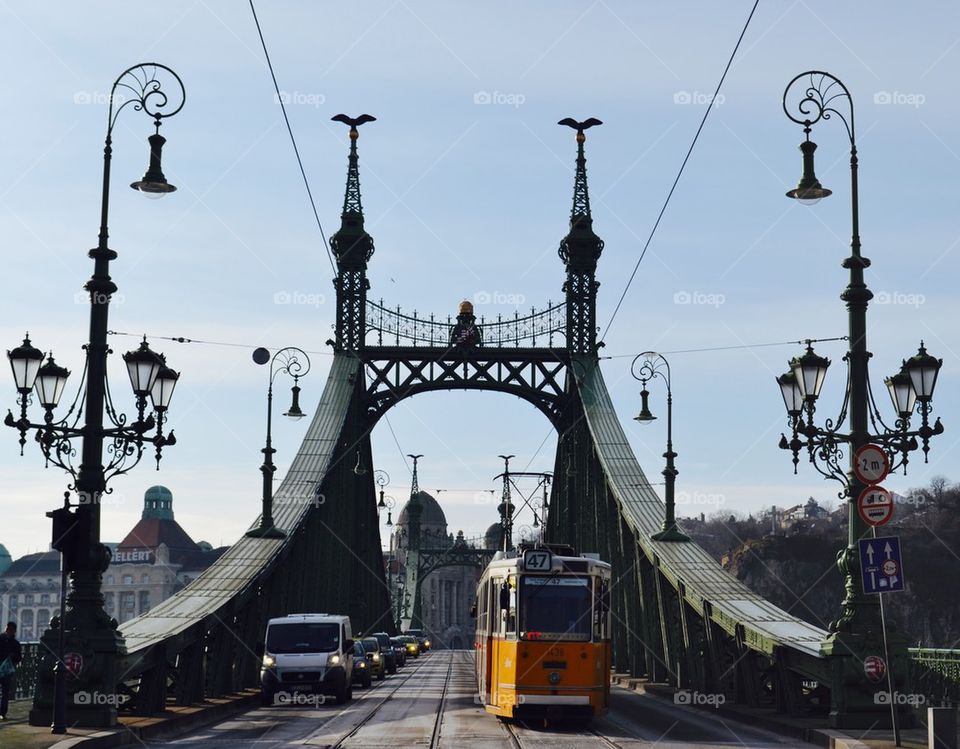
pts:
pixel 307 653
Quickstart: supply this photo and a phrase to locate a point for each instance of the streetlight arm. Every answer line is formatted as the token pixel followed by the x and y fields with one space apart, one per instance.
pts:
pixel 818 93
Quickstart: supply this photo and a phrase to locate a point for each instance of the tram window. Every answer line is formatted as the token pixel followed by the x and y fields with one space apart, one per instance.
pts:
pixel 601 610
pixel 510 613
pixel 559 606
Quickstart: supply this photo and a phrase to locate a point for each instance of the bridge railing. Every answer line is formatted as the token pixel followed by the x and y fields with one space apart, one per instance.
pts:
pixel 390 326
pixel 935 673
pixel 26 679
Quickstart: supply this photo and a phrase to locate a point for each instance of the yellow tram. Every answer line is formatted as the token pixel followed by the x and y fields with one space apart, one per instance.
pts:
pixel 543 634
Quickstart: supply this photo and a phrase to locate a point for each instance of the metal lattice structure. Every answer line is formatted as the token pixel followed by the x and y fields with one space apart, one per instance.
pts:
pixel 679 617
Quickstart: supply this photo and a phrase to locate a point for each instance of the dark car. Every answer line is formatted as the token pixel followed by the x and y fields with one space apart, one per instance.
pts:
pixel 371 650
pixel 400 650
pixel 386 649
pixel 362 672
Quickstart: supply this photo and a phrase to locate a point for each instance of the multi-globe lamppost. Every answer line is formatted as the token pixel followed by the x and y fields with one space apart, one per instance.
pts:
pixel 295 363
pixel 808 98
pixel 85 632
pixel 655 365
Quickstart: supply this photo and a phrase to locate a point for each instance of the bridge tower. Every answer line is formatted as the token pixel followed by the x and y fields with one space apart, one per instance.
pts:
pixel 580 250
pixel 353 248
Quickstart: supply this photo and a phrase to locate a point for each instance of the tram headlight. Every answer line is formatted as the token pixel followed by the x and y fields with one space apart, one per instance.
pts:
pixel 554 677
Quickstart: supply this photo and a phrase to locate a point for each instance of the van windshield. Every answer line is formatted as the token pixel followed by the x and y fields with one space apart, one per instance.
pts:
pixel 302 637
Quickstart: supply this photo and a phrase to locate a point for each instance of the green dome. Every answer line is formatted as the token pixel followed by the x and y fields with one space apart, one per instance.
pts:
pixel 5 559
pixel 158 503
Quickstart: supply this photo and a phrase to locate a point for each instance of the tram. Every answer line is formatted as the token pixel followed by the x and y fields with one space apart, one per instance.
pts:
pixel 543 635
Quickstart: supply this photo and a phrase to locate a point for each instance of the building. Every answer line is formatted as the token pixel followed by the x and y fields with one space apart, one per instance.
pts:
pixel 155 560
pixel 447 593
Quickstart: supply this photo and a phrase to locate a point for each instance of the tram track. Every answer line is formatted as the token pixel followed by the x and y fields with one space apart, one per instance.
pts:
pixel 435 736
pixel 588 733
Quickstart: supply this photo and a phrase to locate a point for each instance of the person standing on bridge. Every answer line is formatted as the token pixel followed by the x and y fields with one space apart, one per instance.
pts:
pixel 10 657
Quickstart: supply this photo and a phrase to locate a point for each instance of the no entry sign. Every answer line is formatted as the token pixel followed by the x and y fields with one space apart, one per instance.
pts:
pixel 875 505
pixel 874 667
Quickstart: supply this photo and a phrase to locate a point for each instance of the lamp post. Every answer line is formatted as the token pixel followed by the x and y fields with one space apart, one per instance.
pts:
pixel 655 365
pixel 295 363
pixel 809 98
pixel 86 628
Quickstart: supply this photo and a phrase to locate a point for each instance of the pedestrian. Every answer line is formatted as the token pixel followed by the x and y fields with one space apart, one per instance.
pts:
pixel 10 657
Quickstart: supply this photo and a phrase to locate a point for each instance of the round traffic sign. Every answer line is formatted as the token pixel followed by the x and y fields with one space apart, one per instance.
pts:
pixel 871 464
pixel 874 667
pixel 890 568
pixel 875 505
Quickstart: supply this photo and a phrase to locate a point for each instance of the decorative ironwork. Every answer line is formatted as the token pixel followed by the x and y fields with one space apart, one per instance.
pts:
pixel 816 102
pixel 388 326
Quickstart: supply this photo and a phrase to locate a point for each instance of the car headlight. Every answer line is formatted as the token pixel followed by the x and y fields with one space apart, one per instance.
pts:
pixel 333 660
pixel 426 643
pixel 361 664
pixel 376 657
pixel 269 661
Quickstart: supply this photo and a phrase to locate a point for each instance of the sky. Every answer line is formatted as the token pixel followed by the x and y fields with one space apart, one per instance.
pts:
pixel 467 182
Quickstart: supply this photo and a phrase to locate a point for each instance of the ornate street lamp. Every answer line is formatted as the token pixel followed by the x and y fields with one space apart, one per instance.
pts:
pixel 655 365
pixel 87 629
pixel 295 363
pixel 810 97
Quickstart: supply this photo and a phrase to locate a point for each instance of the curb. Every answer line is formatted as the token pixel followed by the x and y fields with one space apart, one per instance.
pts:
pixel 172 726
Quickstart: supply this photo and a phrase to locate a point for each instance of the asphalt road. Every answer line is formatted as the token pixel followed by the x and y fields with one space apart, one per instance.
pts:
pixel 432 703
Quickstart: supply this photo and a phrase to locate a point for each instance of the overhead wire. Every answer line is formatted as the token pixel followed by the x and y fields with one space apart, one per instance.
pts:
pixel 293 140
pixel 680 172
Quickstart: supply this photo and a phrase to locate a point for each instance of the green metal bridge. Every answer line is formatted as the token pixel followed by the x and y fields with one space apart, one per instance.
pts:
pixel 679 617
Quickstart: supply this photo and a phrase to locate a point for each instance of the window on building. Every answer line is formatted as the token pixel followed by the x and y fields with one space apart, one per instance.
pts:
pixel 14 600
pixel 45 598
pixel 43 619
pixel 26 625
pixel 109 579
pixel 108 602
pixel 128 579
pixel 144 579
pixel 28 599
pixel 144 602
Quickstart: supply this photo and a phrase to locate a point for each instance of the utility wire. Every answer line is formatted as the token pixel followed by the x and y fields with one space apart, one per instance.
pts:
pixel 283 108
pixel 682 166
pixel 731 348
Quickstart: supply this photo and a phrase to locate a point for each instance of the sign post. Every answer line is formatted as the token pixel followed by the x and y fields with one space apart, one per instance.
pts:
pixel 881 570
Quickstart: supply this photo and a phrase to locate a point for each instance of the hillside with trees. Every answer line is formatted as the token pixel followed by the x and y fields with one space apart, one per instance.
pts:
pixel 788 555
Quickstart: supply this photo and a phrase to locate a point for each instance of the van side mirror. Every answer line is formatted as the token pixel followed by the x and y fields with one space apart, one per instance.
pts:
pixel 259 649
pixel 347 645
pixel 505 596
pixel 473 611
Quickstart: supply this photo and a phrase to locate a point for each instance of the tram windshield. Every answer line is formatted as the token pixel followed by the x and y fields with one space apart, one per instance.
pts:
pixel 555 608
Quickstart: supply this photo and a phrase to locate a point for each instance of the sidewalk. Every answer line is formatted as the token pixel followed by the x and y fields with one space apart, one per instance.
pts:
pixel 15 733
pixel 816 731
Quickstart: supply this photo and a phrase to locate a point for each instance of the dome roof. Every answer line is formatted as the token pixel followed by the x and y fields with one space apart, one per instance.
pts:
pixel 493 538
pixel 157 503
pixel 432 512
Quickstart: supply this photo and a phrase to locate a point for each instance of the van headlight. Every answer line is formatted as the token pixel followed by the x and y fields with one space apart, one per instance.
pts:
pixel 334 660
pixel 269 661
pixel 376 657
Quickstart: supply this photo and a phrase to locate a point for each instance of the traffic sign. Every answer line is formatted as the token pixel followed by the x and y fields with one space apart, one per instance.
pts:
pixel 880 564
pixel 871 464
pixel 874 667
pixel 875 505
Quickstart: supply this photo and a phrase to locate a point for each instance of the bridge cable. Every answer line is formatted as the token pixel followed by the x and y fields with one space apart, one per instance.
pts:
pixel 286 119
pixel 740 346
pixel 679 173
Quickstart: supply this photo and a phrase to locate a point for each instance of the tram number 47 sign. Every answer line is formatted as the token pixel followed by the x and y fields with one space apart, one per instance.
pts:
pixel 537 560
pixel 880 564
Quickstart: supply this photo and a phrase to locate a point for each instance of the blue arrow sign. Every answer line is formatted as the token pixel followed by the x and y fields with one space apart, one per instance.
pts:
pixel 880 564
